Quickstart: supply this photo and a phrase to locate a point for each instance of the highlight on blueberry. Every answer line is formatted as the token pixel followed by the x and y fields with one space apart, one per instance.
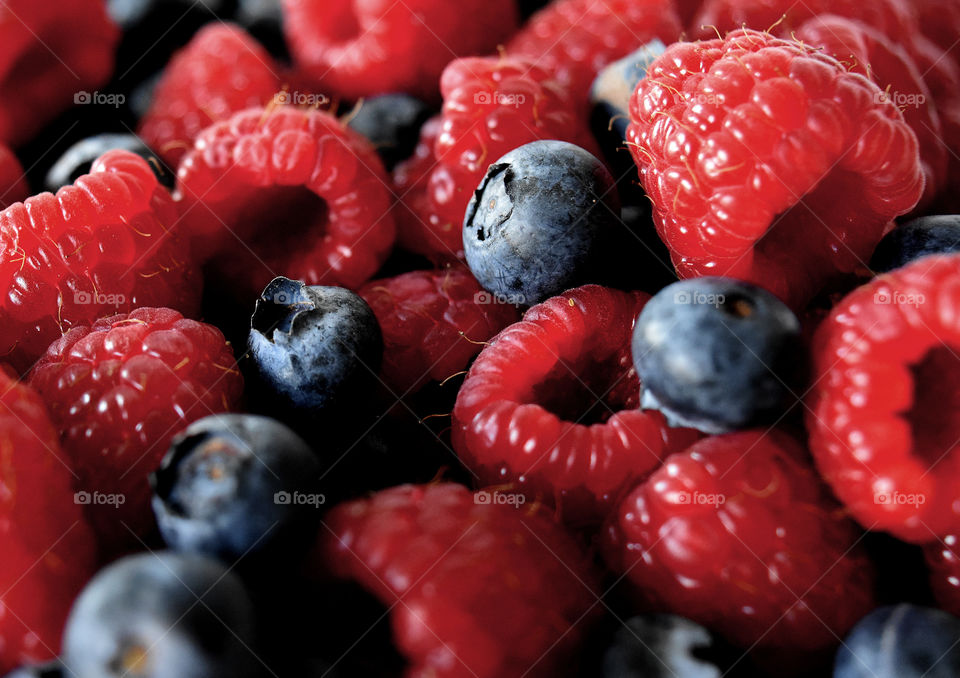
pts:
pixel 161 615
pixel 541 222
pixel 718 354
pixel 237 486
pixel 313 347
pixel 78 159
pixel 937 234
pixel 49 670
pixel 664 646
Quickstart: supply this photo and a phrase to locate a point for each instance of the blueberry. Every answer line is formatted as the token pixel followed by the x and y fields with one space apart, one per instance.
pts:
pixel 130 14
pixel 161 615
pixel 392 123
pixel 313 347
pixel 927 235
pixel 902 641
pixel 49 670
pixel 717 354
pixel 541 221
pixel 663 646
pixel 78 159
pixel 237 484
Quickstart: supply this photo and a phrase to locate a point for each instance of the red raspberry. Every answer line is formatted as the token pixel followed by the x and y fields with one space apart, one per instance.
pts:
pixel 686 10
pixel 48 551
pixel 100 246
pixel 739 534
pixel 476 589
pixel 769 162
pixel 867 51
pixel 490 106
pixel 880 419
pixel 53 54
pixel 940 22
pixel 575 39
pixel 119 391
pixel 220 72
pixel 288 191
pixel 943 562
pixel 552 404
pixel 359 49
pixel 13 181
pixel 433 323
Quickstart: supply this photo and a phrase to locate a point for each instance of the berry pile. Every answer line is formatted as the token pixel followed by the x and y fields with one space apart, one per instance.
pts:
pixel 479 339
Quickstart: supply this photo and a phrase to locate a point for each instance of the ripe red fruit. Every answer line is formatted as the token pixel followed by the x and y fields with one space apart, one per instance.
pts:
pixel 574 40
pixel 490 106
pixel 739 534
pixel 220 72
pixel 943 562
pixel 118 392
pixel 54 54
pixel 287 191
pixel 881 412
pixel 48 549
pixel 355 49
pixel 103 245
pixel 767 161
pixel 475 588
pixel 552 405
pixel 433 324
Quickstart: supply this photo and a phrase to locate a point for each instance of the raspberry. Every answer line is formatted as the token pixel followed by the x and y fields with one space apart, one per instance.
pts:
pixel 248 182
pixel 53 52
pixel 359 49
pixel 48 552
pixel 476 589
pixel 880 414
pixel 575 39
pixel 769 162
pixel 100 246
pixel 552 404
pixel 943 562
pixel 739 534
pixel 220 72
pixel 867 51
pixel 490 106
pixel 119 391
pixel 13 183
pixel 433 323
pixel 940 22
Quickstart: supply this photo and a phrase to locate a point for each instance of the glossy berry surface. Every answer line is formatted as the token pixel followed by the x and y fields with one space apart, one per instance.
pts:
pixel 902 641
pixel 718 355
pixel 118 391
pixel 541 221
pixel 313 347
pixel 433 324
pixel 739 534
pixel 885 371
pixel 552 405
pixel 48 546
pixel 936 234
pixel 234 485
pixel 104 245
pixel 486 588
pixel 161 615
pixel 662 646
pixel 769 162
